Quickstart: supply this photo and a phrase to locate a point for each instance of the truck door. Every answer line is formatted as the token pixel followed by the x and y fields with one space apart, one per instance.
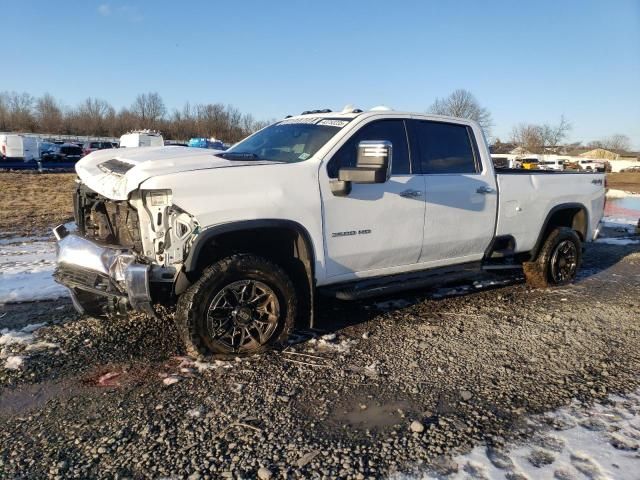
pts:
pixel 461 195
pixel 375 226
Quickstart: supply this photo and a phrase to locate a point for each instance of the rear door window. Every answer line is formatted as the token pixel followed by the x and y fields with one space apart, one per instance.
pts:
pixel 444 148
pixel 392 130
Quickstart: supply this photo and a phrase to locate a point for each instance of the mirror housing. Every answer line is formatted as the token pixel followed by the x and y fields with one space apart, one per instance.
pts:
pixel 373 166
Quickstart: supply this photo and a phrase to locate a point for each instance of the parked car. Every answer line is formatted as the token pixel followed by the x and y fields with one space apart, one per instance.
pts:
pixel 89 147
pixel 141 138
pixel 349 205
pixel 634 169
pixel 44 147
pixel 65 153
pixel 557 165
pixel 505 162
pixel 530 163
pixel 591 166
pixel 206 143
pixel 17 147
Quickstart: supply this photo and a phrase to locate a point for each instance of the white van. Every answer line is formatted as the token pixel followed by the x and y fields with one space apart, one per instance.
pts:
pixel 141 138
pixel 14 146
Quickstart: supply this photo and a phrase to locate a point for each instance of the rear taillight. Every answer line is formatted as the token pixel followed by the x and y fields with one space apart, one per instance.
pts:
pixel 4 149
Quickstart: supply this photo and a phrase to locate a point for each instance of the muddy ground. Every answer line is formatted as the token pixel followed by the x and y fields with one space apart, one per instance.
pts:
pixel 117 399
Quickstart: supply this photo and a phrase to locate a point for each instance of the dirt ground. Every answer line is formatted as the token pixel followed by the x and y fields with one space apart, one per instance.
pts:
pixel 22 197
pixel 629 182
pixel 117 399
pixel 468 364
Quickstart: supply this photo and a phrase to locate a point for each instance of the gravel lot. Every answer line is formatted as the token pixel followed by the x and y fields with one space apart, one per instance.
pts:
pixel 399 385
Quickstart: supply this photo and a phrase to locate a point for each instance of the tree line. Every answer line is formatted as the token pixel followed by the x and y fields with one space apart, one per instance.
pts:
pixel 22 112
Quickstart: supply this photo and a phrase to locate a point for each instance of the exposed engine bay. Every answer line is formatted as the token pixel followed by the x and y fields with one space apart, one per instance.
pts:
pixel 109 222
pixel 148 224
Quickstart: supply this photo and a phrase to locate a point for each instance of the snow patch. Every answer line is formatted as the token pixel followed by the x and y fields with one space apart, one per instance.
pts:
pixel 26 270
pixel 23 341
pixel 329 342
pixel 171 380
pixel 618 241
pixel 14 362
pixel 626 224
pixel 601 441
pixel 614 193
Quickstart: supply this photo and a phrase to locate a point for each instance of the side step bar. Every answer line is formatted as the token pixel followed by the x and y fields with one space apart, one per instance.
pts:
pixel 373 287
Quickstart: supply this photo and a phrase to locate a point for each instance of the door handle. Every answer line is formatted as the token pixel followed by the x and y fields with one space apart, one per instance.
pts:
pixel 411 193
pixel 485 189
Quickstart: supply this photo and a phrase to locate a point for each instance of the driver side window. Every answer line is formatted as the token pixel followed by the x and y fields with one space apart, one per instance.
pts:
pixel 392 130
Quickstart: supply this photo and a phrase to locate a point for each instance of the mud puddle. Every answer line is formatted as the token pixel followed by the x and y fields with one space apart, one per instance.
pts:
pixel 373 416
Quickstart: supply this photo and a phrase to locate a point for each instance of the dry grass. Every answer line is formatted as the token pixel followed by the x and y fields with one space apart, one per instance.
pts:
pixel 624 181
pixel 31 203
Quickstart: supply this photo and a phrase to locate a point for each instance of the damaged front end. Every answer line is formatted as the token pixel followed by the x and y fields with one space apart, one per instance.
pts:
pixel 126 255
pixel 102 280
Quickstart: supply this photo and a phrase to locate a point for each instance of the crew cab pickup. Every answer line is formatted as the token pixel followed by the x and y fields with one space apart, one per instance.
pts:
pixel 349 204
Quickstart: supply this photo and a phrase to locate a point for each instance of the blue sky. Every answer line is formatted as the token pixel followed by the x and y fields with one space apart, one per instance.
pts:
pixel 524 61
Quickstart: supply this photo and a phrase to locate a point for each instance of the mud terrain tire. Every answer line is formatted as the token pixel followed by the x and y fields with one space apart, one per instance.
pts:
pixel 218 294
pixel 558 260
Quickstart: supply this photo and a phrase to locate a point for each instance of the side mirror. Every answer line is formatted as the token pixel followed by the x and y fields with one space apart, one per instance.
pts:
pixel 373 166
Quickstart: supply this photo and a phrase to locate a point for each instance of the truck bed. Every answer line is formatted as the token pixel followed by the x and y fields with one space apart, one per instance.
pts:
pixel 527 197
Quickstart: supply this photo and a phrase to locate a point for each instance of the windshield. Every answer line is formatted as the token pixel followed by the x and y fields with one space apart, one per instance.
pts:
pixel 290 141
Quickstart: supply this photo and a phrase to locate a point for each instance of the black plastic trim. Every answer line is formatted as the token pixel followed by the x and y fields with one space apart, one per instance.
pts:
pixel 489 251
pixel 210 233
pixel 554 210
pixel 372 287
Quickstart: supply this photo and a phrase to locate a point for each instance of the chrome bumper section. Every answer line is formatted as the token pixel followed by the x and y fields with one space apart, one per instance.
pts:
pixel 110 272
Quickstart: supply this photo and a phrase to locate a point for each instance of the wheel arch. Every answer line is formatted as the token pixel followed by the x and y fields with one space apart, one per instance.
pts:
pixel 573 215
pixel 285 242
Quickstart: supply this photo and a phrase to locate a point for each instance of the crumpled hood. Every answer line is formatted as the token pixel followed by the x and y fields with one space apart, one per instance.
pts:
pixel 115 173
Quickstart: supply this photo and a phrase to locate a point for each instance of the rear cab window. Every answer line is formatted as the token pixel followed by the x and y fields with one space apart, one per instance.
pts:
pixel 444 148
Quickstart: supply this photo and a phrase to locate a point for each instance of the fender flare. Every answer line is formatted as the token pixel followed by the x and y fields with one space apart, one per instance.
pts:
pixel 208 234
pixel 552 212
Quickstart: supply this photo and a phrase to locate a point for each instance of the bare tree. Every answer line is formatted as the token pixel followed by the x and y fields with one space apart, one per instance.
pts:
pixel 540 138
pixel 96 117
pixel 618 143
pixel 20 111
pixel 5 123
pixel 49 114
pixel 92 117
pixel 463 104
pixel 149 108
pixel 553 135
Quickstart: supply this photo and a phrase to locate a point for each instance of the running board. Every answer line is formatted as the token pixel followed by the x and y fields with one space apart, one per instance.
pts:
pixel 373 287
pixel 502 266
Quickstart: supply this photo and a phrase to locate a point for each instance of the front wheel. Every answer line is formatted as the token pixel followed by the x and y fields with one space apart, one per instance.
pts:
pixel 242 304
pixel 558 261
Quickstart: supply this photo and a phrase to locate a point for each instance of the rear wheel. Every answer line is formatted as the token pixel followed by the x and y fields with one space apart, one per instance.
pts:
pixel 558 261
pixel 242 304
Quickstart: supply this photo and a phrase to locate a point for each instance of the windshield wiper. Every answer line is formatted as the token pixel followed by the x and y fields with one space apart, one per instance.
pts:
pixel 238 155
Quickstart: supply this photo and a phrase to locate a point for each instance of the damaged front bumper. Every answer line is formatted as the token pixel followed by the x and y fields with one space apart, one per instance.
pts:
pixel 101 277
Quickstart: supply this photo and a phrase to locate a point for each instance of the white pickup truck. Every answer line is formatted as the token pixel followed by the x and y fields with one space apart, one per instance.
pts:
pixel 350 204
